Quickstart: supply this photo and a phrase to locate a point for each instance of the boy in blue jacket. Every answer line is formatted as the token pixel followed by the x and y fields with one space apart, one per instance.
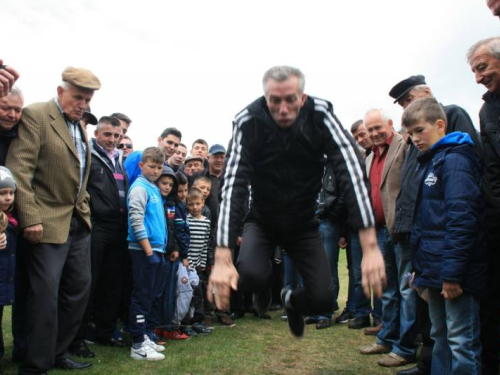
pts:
pixel 448 238
pixel 147 238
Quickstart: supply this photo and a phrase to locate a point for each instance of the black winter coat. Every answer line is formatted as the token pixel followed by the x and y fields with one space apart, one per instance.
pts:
pixel 104 195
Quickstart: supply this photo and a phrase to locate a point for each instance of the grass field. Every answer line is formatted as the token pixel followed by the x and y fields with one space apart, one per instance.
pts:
pixel 252 347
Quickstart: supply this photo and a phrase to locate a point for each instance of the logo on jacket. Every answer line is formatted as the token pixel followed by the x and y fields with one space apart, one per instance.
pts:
pixel 184 280
pixel 430 179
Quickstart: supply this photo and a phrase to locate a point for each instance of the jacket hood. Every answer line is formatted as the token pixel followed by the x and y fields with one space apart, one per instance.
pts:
pixel 167 171
pixel 452 139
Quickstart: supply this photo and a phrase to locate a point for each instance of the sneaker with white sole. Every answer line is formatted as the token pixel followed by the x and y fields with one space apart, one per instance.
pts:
pixel 146 353
pixel 152 344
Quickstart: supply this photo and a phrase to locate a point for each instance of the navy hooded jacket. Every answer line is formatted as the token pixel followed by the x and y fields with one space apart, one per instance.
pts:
pixel 449 233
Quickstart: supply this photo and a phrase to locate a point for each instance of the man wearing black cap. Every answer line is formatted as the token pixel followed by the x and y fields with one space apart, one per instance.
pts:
pixel 88 118
pixel 404 93
pixel 51 165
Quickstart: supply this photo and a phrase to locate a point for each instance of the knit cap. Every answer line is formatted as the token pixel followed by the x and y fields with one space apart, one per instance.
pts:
pixel 6 179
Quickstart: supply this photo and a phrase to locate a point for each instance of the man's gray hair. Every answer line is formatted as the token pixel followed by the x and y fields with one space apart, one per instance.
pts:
pixel 385 116
pixel 492 44
pixel 65 85
pixel 282 73
pixel 16 91
pixel 420 88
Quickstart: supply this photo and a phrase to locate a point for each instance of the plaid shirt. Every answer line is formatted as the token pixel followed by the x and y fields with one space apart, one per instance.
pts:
pixel 80 144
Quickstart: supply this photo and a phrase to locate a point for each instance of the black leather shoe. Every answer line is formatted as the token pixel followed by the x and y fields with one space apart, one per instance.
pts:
pixel 81 350
pixel 295 320
pixel 69 364
pixel 110 342
pixel 359 322
pixel 323 323
pixel 412 371
pixel 237 315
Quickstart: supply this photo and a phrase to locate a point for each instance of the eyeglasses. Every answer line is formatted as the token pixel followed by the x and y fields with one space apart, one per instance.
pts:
pixel 124 145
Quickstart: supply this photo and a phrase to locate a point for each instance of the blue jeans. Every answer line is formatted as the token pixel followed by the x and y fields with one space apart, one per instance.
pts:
pixel 455 330
pixel 399 301
pixel 330 237
pixel 363 304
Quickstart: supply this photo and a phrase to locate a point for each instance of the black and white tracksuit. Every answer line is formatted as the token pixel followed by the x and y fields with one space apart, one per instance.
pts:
pixel 284 168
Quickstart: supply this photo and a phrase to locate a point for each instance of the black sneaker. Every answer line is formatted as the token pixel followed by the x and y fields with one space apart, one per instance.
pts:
pixel 345 317
pixel 262 301
pixel 81 350
pixel 201 329
pixel 295 320
pixel 359 322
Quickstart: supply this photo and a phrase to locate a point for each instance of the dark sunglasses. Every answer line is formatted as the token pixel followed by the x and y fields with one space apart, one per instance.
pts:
pixel 124 145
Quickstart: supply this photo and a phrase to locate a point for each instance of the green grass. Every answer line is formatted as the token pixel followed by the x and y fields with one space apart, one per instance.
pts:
pixel 252 347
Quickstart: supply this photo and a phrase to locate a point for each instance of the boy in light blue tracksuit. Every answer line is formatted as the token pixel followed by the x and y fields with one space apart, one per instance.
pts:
pixel 147 238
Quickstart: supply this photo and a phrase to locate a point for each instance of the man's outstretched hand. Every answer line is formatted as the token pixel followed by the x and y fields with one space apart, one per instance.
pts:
pixel 372 265
pixel 8 76
pixel 223 278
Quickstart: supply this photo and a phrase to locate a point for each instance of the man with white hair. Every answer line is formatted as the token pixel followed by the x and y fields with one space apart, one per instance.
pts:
pixel 484 60
pixel 50 160
pixel 279 144
pixel 397 336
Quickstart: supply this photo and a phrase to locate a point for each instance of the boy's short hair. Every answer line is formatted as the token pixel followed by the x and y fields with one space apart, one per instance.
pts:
pixel 154 155
pixel 425 109
pixel 194 193
pixel 200 141
pixel 181 177
pixel 202 179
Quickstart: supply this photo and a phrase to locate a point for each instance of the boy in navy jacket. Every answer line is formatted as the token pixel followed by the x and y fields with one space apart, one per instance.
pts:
pixel 448 237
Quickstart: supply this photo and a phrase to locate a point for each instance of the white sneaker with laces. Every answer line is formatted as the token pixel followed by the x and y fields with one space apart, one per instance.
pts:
pixel 146 353
pixel 152 344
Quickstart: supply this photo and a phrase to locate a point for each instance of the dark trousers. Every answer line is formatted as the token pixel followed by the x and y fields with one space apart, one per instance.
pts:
pixel 146 272
pixel 424 325
pixel 307 253
pixel 60 284
pixel 108 249
pixel 163 307
pixel 22 286
pixel 490 305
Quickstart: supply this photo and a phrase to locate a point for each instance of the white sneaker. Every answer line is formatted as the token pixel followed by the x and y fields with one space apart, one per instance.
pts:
pixel 152 344
pixel 146 353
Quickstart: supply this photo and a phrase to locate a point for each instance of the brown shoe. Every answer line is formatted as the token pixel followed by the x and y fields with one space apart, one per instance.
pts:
pixel 208 322
pixel 372 331
pixel 226 320
pixel 374 349
pixel 394 360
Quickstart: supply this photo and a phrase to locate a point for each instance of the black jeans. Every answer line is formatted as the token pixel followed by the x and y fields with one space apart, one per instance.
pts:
pixel 255 265
pixel 60 284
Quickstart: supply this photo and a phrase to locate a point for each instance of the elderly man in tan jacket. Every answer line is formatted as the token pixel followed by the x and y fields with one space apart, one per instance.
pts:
pixel 397 336
pixel 50 160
